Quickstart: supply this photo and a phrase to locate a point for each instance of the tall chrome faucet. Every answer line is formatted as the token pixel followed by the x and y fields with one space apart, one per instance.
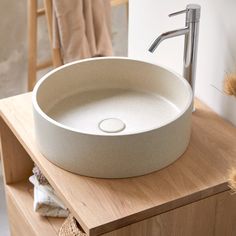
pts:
pixel 191 41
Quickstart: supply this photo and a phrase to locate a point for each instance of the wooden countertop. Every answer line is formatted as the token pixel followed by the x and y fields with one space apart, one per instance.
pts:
pixel 102 205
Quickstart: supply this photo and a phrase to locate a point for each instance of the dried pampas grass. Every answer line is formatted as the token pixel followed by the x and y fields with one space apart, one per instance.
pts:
pixel 230 85
pixel 232 180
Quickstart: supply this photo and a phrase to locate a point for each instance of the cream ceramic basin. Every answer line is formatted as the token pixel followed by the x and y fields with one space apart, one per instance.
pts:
pixel 112 117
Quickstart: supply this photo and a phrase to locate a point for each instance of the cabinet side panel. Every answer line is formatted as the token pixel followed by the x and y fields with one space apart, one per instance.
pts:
pixel 17 165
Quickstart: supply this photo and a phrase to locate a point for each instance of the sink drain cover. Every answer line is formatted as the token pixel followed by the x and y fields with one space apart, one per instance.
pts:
pixel 111 125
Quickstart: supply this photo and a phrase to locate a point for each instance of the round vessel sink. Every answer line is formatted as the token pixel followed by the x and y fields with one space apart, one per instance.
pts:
pixel 112 117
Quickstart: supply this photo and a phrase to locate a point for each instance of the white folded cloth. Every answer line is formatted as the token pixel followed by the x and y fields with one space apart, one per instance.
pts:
pixel 46 203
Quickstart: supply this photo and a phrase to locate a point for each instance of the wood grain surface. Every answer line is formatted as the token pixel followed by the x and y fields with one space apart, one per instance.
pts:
pixel 103 205
pixel 212 216
pixel 17 165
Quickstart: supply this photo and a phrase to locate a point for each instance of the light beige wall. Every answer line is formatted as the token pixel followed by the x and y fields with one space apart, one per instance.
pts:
pixel 13 44
pixel 13 48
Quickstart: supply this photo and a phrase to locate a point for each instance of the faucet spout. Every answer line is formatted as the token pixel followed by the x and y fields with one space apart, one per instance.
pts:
pixel 190 31
pixel 167 35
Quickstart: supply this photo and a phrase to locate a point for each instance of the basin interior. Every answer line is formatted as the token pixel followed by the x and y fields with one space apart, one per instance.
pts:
pixel 112 96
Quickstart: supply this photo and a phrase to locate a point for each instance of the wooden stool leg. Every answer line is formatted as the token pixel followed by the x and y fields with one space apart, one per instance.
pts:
pixel 32 42
pixel 55 52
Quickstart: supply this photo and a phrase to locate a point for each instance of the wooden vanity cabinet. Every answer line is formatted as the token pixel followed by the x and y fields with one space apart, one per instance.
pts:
pixel 189 197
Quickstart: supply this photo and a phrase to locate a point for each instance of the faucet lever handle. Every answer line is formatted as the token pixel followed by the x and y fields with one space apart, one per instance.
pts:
pixel 178 13
pixel 192 11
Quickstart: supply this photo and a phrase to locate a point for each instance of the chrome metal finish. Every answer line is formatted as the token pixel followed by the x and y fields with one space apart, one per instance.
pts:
pixel 166 35
pixel 191 32
pixel 178 13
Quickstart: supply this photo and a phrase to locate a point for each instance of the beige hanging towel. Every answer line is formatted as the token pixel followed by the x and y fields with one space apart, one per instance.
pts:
pixel 82 28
